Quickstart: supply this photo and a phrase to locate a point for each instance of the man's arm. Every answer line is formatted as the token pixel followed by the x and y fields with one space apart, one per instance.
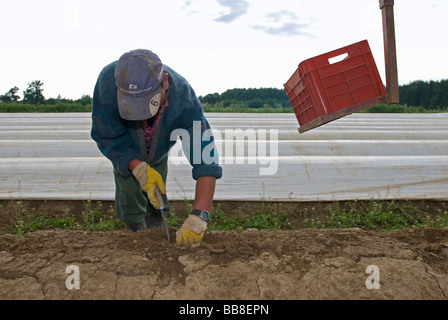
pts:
pixel 133 164
pixel 109 130
pixel 193 229
pixel 205 190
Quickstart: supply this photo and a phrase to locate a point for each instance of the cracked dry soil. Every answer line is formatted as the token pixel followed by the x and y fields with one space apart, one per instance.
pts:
pixel 255 264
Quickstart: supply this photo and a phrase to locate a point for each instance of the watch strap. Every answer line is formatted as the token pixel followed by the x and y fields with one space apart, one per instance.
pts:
pixel 196 212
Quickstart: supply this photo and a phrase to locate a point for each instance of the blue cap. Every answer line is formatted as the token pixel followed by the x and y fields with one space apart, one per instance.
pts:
pixel 139 76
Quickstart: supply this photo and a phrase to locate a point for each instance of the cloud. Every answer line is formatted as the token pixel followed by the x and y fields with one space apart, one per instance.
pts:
pixel 286 29
pixel 282 23
pixel 281 15
pixel 237 8
pixel 276 23
pixel 187 3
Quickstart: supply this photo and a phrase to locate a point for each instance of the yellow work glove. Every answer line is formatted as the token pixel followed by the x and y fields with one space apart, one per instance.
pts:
pixel 149 179
pixel 192 231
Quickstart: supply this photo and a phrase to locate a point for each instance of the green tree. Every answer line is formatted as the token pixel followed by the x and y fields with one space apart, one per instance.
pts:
pixel 84 100
pixel 430 95
pixel 33 94
pixel 211 98
pixel 58 100
pixel 255 103
pixel 249 98
pixel 10 96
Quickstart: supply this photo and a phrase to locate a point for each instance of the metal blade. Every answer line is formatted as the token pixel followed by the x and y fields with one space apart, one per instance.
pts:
pixel 161 205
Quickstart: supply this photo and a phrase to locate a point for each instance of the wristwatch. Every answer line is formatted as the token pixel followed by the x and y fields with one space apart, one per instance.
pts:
pixel 204 215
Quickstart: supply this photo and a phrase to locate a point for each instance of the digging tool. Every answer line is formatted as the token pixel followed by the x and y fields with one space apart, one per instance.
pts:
pixel 161 205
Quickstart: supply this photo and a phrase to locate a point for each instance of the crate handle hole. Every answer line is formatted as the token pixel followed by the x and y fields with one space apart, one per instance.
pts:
pixel 338 58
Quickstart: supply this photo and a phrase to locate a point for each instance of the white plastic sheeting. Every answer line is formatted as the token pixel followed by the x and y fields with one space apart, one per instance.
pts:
pixel 264 157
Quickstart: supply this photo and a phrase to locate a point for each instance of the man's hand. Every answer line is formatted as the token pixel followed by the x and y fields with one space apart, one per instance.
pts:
pixel 192 231
pixel 149 179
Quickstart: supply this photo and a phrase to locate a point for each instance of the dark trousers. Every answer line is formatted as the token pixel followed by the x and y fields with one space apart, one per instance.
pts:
pixel 131 202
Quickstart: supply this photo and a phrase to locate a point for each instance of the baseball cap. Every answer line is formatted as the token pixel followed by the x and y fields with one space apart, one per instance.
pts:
pixel 138 76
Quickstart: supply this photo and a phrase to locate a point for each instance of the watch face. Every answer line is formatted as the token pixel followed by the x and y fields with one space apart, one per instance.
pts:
pixel 205 215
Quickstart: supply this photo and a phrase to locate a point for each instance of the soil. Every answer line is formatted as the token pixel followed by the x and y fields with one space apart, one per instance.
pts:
pixel 308 264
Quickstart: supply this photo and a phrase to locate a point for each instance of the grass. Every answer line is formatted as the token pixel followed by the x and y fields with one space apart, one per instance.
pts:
pixel 235 108
pixel 92 218
pixel 26 108
pixel 268 217
pixel 378 215
pixel 247 110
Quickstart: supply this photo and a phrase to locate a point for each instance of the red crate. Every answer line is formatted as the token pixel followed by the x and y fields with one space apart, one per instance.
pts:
pixel 322 90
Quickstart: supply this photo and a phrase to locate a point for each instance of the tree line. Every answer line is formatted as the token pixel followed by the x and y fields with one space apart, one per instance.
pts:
pixel 33 95
pixel 432 95
pixel 429 95
pixel 247 98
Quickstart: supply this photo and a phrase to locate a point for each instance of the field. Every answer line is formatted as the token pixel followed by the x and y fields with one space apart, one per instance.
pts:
pixel 255 264
pixel 272 237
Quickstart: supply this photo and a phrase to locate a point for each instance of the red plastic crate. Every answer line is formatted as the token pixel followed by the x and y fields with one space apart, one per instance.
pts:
pixel 322 90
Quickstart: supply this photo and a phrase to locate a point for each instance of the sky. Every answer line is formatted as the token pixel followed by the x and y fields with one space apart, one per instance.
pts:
pixel 215 44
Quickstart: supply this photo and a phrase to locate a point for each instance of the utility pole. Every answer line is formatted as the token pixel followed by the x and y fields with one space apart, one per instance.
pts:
pixel 390 51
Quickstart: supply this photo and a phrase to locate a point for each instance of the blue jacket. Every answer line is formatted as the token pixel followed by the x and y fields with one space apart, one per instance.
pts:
pixel 122 141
